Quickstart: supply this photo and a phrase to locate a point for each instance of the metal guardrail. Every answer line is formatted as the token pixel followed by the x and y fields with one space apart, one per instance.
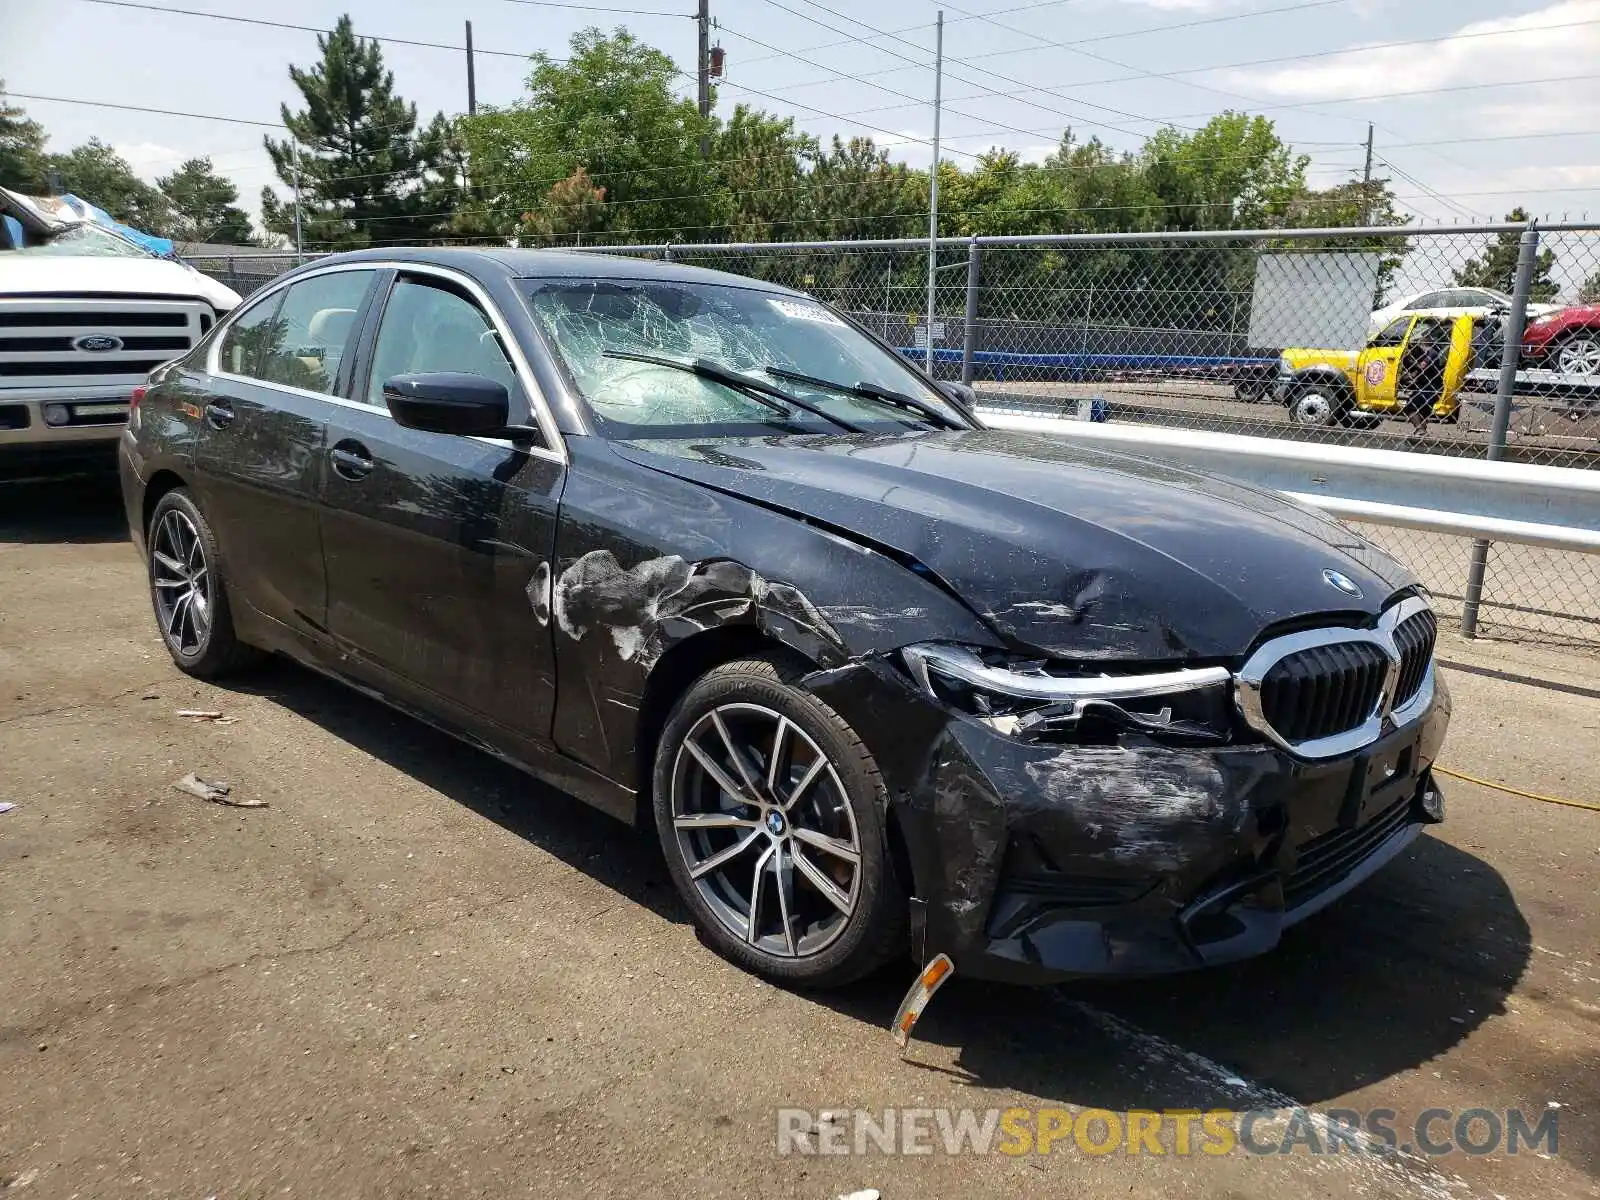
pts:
pixel 1554 507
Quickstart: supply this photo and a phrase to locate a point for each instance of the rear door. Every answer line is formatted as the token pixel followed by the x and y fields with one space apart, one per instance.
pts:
pixel 438 547
pixel 263 439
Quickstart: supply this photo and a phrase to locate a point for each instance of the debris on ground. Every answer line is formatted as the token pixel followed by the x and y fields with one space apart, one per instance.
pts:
pixel 863 1194
pixel 215 793
pixel 6 806
pixel 205 714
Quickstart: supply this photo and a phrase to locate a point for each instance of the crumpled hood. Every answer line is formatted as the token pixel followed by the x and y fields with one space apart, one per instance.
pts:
pixel 64 274
pixel 1062 549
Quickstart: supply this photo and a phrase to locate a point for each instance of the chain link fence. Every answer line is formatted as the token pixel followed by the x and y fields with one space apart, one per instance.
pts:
pixel 1381 338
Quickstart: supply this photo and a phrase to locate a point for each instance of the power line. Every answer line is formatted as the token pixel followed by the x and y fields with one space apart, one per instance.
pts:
pixel 864 78
pixel 370 37
pixel 165 112
pixel 600 8
pixel 918 101
pixel 1465 211
pixel 1313 54
pixel 1434 91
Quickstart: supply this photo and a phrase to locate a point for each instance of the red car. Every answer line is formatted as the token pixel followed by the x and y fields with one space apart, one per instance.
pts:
pixel 1565 340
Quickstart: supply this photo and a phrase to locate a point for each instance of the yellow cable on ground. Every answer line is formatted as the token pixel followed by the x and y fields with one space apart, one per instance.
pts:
pixel 1500 787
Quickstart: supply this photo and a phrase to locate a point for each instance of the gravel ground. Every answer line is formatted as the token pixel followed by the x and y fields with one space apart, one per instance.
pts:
pixel 420 973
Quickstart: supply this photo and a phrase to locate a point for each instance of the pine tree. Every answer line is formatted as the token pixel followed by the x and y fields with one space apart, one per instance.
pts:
pixel 21 148
pixel 1498 267
pixel 367 176
pixel 204 205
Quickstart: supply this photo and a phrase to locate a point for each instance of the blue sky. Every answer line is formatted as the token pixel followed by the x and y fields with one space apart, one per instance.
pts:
pixel 1116 68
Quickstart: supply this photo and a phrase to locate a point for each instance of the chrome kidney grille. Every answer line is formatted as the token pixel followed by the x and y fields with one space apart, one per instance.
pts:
pixel 1323 692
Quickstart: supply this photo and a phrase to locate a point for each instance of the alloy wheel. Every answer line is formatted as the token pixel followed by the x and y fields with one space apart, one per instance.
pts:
pixel 765 830
pixel 182 582
pixel 1579 356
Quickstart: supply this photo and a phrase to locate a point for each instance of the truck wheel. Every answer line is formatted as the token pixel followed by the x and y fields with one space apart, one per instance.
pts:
pixel 1318 405
pixel 770 812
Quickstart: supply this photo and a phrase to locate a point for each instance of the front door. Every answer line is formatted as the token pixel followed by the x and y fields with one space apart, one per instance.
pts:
pixel 1380 364
pixel 438 547
pixel 262 446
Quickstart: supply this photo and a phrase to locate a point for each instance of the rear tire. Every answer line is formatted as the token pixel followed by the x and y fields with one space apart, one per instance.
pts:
pixel 1578 353
pixel 188 590
pixel 785 867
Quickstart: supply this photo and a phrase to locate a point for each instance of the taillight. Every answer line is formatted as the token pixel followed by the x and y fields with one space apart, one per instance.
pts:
pixel 134 397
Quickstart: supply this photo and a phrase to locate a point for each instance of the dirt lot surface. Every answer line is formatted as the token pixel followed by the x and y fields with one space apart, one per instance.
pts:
pixel 418 973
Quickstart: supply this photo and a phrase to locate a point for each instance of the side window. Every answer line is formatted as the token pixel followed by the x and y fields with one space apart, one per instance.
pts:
pixel 251 331
pixel 1393 333
pixel 313 330
pixel 1430 300
pixel 432 328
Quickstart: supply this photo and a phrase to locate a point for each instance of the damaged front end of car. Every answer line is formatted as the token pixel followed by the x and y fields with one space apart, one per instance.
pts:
pixel 1064 823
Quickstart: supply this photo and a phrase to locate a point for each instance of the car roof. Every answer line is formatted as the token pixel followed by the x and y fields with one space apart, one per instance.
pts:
pixel 512 263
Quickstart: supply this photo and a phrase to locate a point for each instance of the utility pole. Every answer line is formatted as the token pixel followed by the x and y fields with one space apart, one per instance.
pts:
pixel 1366 182
pixel 294 160
pixel 933 189
pixel 703 21
pixel 472 77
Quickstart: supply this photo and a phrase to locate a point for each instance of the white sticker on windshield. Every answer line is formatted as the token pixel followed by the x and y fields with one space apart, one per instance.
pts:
pixel 798 310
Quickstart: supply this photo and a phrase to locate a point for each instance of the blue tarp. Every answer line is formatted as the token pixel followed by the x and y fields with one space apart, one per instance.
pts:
pixel 156 245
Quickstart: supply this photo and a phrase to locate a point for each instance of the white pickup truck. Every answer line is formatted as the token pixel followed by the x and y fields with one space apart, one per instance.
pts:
pixel 85 315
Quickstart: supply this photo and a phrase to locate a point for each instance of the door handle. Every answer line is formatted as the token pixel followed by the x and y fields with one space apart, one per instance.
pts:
pixel 219 414
pixel 351 460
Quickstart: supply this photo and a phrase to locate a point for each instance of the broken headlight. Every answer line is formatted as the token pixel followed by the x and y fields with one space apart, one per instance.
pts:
pixel 1044 700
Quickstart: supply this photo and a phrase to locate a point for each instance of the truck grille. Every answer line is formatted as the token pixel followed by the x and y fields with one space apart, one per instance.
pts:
pixel 41 339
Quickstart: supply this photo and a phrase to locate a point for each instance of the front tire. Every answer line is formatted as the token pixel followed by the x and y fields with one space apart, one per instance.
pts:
pixel 188 591
pixel 1318 406
pixel 770 812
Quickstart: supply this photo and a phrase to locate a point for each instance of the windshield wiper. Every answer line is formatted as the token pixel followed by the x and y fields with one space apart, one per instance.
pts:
pixel 871 391
pixel 762 393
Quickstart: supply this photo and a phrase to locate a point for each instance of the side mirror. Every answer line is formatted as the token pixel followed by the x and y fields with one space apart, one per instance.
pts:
pixel 961 393
pixel 449 402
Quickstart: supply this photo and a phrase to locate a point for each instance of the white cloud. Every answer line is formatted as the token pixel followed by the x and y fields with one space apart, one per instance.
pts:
pixel 1188 6
pixel 150 159
pixel 1505 48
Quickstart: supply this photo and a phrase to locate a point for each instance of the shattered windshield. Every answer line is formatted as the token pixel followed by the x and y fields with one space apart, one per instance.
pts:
pixel 602 330
pixel 82 241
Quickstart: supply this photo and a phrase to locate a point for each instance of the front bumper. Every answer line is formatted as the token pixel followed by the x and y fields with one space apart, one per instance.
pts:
pixel 1042 862
pixel 88 421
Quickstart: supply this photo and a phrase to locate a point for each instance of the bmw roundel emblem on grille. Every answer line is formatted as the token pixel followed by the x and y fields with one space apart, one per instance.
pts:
pixel 97 343
pixel 1343 582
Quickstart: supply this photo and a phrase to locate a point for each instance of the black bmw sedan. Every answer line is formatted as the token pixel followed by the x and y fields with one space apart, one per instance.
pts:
pixel 702 552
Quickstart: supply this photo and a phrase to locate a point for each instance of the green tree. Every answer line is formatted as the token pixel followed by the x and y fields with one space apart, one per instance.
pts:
pixel 611 110
pixel 98 174
pixel 1589 293
pixel 367 175
pixel 762 185
pixel 1498 266
pixel 204 205
pixel 21 147
pixel 1232 173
